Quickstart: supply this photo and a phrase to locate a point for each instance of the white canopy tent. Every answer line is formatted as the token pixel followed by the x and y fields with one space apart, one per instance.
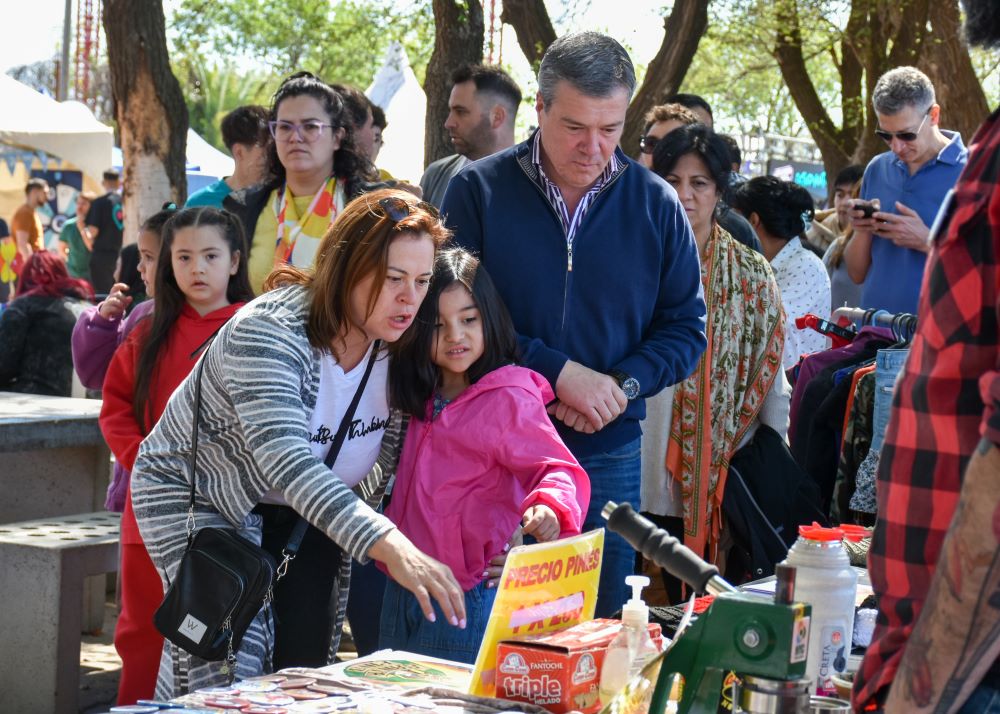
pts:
pixel 395 88
pixel 65 129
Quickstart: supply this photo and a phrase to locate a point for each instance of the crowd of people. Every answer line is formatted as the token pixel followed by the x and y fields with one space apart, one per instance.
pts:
pixel 494 352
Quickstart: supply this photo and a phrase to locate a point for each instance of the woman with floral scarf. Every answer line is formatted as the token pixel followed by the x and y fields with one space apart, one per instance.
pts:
pixel 692 430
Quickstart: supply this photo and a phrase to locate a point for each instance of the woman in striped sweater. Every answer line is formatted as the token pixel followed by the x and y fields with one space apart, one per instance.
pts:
pixel 276 383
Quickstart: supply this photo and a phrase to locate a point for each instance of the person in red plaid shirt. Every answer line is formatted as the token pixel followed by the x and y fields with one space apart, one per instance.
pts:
pixel 937 638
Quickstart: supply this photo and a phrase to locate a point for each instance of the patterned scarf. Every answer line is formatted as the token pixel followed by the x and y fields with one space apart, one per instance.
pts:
pixel 714 407
pixel 318 217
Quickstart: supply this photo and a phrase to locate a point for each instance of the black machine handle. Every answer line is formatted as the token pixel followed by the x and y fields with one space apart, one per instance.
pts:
pixel 663 549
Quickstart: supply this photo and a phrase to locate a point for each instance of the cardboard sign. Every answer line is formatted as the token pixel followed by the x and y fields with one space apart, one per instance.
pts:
pixel 544 588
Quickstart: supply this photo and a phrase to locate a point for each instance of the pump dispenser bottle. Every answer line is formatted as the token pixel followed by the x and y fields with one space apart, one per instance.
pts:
pixel 632 648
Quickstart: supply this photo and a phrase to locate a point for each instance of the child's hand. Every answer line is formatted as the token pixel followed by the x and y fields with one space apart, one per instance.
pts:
pixel 541 522
pixel 116 303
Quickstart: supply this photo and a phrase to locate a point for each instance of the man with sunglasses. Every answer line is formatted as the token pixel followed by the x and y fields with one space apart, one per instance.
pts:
pixel 889 248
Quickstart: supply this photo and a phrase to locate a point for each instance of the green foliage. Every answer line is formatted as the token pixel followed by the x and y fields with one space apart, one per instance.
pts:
pixel 736 72
pixel 231 52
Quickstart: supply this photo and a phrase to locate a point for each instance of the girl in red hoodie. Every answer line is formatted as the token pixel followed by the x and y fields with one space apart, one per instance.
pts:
pixel 201 280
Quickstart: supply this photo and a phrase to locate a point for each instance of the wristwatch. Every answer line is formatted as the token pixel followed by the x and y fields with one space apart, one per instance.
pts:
pixel 629 385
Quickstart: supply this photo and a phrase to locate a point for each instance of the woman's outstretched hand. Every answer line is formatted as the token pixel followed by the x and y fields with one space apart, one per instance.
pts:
pixel 423 576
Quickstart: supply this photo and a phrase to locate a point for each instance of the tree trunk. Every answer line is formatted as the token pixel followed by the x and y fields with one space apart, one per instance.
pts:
pixel 459 31
pixel 946 61
pixel 533 28
pixel 149 107
pixel 880 35
pixel 682 32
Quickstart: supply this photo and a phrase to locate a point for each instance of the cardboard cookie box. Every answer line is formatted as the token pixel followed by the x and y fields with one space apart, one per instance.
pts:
pixel 560 671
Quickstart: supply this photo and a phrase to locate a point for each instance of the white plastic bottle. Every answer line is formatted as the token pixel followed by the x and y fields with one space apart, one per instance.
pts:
pixel 825 579
pixel 632 648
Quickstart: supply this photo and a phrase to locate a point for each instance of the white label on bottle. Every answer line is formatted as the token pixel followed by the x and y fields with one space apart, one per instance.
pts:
pixel 193 628
pixel 833 657
pixel 800 640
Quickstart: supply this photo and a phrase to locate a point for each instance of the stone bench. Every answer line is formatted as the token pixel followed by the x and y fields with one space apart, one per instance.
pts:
pixel 44 564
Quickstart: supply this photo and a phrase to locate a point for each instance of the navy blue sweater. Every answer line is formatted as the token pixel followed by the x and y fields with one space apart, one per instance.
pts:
pixel 632 299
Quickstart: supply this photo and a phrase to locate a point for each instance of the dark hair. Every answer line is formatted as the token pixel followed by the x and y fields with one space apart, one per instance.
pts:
pixel 378 117
pixel 128 273
pixel 736 156
pixel 849 175
pixel 690 101
pixel 355 246
pixel 698 139
pixel 348 165
pixel 595 64
pixel 35 183
pixel 170 300
pixel 356 104
pixel 982 23
pixel 784 208
pixel 111 175
pixel 155 223
pixel 491 79
pixel 668 112
pixel 245 125
pixel 412 375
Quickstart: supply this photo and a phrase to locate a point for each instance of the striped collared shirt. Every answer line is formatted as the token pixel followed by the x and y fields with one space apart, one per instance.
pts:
pixel 552 192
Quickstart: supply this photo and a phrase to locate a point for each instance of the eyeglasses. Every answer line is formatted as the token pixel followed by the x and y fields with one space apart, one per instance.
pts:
pixel 648 143
pixel 907 136
pixel 396 209
pixel 308 131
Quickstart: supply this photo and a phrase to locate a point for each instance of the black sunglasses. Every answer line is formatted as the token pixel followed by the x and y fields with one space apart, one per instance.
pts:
pixel 396 209
pixel 887 136
pixel 647 144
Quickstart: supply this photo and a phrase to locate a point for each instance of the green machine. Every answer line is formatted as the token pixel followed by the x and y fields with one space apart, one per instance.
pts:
pixel 763 641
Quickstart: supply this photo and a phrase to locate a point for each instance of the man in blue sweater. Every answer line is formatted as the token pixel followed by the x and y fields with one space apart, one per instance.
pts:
pixel 595 259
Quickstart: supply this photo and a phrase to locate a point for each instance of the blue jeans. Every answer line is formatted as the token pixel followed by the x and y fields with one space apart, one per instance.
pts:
pixel 614 476
pixel 985 699
pixel 888 364
pixel 404 627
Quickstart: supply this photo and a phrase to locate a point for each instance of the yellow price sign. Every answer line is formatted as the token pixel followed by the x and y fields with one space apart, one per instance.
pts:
pixel 544 588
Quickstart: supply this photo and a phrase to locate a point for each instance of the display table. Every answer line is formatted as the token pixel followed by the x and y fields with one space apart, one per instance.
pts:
pixel 384 681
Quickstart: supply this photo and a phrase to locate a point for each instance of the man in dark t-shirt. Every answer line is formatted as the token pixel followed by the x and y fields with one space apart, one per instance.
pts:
pixel 104 224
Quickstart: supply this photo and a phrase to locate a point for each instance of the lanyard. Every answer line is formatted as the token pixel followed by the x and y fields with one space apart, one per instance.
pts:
pixel 281 208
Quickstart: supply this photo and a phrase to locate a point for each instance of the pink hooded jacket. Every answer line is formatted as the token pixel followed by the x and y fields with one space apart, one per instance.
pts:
pixel 465 478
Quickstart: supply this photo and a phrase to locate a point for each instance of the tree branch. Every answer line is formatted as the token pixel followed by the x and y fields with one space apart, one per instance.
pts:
pixel 532 25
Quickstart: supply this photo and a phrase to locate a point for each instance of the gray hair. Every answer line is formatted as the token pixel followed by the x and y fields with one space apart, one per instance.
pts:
pixel 900 88
pixel 593 63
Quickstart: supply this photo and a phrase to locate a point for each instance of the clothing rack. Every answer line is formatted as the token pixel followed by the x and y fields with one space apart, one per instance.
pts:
pixel 902 324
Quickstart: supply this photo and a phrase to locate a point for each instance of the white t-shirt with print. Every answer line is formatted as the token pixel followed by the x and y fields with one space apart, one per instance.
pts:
pixel 364 435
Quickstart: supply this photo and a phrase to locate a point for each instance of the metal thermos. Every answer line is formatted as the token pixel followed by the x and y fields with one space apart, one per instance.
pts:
pixel 756 695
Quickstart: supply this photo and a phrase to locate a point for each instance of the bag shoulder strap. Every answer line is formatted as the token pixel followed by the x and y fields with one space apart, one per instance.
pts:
pixel 299 530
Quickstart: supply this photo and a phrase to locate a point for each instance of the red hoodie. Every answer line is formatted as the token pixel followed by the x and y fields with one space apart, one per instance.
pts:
pixel 176 359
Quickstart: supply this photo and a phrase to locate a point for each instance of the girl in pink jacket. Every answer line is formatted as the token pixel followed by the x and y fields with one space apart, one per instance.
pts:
pixel 481 455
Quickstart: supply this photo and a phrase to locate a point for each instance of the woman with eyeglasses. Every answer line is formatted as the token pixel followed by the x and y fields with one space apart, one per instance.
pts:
pixel 276 383
pixel 313 170
pixel 693 429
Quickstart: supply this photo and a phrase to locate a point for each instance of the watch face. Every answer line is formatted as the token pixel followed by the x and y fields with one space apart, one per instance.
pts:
pixel 631 388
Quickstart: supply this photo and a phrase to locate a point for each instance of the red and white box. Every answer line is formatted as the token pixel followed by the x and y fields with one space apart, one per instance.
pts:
pixel 560 671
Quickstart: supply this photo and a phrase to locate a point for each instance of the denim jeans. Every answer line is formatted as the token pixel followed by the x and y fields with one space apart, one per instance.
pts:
pixel 614 476
pixel 985 699
pixel 888 364
pixel 404 627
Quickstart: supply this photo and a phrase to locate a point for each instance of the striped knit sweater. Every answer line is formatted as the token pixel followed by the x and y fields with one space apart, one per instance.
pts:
pixel 259 387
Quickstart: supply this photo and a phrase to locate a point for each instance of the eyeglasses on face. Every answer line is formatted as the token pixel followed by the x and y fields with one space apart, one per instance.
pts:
pixel 648 143
pixel 907 136
pixel 396 209
pixel 308 131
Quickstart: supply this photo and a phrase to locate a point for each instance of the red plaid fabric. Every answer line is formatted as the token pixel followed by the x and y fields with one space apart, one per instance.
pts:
pixel 938 409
